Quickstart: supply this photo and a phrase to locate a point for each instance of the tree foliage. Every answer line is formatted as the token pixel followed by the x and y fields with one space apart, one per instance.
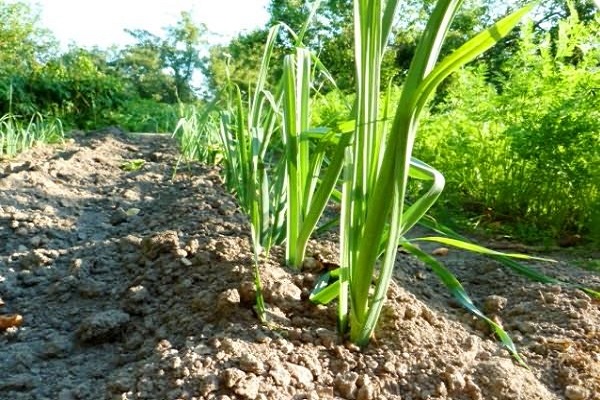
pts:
pixel 525 148
pixel 328 35
pixel 240 59
pixel 163 68
pixel 91 87
pixel 24 46
pixel 80 85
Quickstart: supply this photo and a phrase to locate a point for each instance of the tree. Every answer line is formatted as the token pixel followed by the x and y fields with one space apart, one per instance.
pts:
pixel 142 64
pixel 180 53
pixel 242 55
pixel 163 68
pixel 240 59
pixel 333 18
pixel 330 34
pixel 24 46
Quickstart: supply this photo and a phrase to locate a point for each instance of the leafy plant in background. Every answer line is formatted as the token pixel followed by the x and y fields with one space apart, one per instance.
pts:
pixel 556 144
pixel 23 43
pixel 80 86
pixel 145 115
pixel 528 152
pixel 136 87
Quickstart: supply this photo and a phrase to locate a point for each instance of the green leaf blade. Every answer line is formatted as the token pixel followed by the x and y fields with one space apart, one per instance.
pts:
pixel 459 293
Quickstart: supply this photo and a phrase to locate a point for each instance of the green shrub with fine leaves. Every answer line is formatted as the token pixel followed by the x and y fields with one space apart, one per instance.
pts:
pixel 530 151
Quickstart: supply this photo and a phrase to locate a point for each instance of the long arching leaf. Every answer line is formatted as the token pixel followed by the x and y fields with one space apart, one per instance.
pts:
pixel 459 293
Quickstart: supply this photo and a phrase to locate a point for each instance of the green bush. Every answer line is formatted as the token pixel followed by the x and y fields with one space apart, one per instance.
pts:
pixel 80 87
pixel 527 150
pixel 331 109
pixel 141 115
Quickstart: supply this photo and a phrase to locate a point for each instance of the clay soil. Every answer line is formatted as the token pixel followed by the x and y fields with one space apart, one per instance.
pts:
pixel 135 285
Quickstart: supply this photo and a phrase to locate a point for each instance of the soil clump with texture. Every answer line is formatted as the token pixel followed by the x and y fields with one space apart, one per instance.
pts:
pixel 133 284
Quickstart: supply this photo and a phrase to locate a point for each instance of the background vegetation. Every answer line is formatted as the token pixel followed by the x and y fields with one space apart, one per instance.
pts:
pixel 523 148
pixel 138 87
pixel 516 134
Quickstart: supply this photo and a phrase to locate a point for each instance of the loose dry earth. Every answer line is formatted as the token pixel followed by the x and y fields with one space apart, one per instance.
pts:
pixel 132 286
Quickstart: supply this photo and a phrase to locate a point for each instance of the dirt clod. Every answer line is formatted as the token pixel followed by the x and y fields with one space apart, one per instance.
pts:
pixel 102 326
pixel 574 392
pixel 494 303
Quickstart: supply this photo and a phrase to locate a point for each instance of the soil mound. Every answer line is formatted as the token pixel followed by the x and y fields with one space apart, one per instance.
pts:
pixel 136 283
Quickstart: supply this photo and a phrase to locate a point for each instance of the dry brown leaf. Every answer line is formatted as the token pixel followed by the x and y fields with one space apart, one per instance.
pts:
pixel 9 321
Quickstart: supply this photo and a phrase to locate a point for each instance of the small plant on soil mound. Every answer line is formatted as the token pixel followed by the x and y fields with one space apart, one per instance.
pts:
pixel 16 135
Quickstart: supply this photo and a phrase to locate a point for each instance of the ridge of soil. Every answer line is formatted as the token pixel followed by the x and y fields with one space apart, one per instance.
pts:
pixel 135 286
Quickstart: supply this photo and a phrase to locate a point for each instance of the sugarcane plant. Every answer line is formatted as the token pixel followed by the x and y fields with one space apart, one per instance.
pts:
pixel 272 161
pixel 309 184
pixel 246 128
pixel 379 162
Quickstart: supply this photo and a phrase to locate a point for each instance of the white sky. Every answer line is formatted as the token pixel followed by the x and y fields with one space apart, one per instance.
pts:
pixel 101 22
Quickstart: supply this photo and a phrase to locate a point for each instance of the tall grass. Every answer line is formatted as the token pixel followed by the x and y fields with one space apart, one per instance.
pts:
pixel 17 135
pixel 197 135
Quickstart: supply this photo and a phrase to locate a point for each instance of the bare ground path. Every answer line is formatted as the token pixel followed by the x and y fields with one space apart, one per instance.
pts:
pixel 134 286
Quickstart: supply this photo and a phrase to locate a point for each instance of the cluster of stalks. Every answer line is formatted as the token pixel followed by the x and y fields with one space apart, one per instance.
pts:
pixel 284 172
pixel 17 135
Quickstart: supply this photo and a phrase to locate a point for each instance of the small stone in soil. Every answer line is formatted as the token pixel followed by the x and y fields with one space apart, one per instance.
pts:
pixel 231 376
pixel 302 374
pixel 367 389
pixel 56 346
pixel 494 303
pixel 227 301
pixel 209 384
pixel 118 216
pixel 248 388
pixel 21 382
pixel 574 392
pixel 102 327
pixel 250 363
pixel 345 384
pixel 280 375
